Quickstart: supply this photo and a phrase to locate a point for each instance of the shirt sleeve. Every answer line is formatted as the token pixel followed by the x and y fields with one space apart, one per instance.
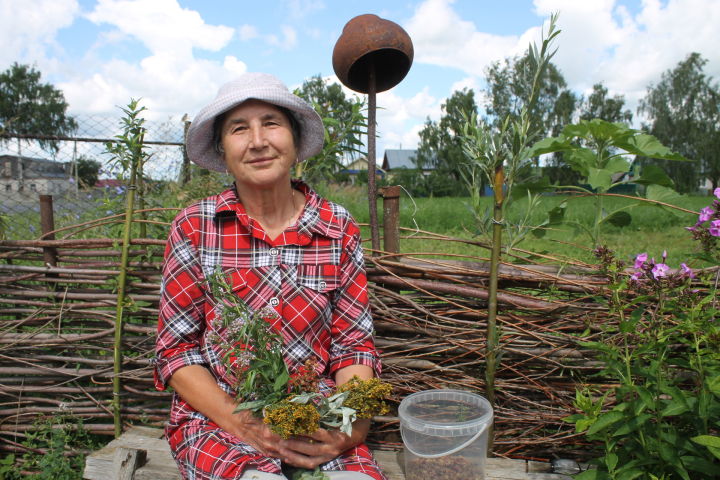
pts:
pixel 181 321
pixel 352 329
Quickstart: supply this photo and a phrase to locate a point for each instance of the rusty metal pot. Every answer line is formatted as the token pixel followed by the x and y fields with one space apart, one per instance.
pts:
pixel 372 47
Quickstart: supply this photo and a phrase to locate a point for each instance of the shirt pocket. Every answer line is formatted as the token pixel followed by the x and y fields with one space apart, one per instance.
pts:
pixel 321 278
pixel 244 284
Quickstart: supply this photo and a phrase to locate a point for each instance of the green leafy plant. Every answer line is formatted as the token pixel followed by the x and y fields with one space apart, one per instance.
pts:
pixel 599 151
pixel 661 420
pixel 56 449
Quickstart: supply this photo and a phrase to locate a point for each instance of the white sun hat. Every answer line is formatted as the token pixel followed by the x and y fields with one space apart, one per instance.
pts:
pixel 259 86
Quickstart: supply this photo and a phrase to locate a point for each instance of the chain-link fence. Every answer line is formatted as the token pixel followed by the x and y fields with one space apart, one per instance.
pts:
pixel 28 171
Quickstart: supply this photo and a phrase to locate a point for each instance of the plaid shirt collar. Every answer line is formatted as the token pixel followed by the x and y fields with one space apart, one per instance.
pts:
pixel 318 217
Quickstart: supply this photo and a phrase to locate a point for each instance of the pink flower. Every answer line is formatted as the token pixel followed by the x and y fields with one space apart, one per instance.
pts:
pixel 705 214
pixel 714 228
pixel 660 270
pixel 717 192
pixel 687 271
pixel 640 260
pixel 637 275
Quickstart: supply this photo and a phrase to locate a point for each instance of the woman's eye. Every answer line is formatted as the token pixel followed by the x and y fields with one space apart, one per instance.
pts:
pixel 239 128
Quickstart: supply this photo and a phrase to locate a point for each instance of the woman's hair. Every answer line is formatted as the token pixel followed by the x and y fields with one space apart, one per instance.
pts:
pixel 220 119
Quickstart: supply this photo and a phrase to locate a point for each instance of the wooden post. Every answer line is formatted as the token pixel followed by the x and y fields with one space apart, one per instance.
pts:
pixel 47 225
pixel 126 461
pixel 391 218
pixel 185 170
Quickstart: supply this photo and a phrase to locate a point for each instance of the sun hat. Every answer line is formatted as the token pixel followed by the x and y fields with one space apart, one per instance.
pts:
pixel 259 86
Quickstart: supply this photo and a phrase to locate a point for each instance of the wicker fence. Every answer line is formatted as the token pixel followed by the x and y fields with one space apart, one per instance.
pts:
pixel 58 303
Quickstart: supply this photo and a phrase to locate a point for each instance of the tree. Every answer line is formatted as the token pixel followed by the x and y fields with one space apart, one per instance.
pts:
pixel 440 147
pixel 599 105
pixel 683 112
pixel 88 171
pixel 29 107
pixel 344 123
pixel 509 85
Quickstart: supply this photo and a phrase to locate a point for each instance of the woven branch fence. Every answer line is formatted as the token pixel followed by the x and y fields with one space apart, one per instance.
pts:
pixel 58 301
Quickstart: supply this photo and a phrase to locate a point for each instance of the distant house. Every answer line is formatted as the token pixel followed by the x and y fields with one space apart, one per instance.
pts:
pixel 361 165
pixel 397 158
pixel 401 158
pixel 22 176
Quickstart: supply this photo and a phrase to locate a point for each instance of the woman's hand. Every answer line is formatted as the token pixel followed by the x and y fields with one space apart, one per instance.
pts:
pixel 196 385
pixel 323 445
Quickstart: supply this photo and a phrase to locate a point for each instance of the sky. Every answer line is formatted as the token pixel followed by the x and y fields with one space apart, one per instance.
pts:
pixel 174 54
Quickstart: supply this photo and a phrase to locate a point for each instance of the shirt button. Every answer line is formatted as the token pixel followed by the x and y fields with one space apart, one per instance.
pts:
pixel 274 252
pixel 323 285
pixel 274 301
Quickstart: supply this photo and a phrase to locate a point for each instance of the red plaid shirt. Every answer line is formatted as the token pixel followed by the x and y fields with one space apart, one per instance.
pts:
pixel 312 275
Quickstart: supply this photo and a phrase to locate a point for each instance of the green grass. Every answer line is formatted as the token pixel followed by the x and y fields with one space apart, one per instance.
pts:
pixel 652 230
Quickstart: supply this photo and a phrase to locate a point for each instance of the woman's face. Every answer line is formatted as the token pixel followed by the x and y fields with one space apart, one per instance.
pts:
pixel 258 145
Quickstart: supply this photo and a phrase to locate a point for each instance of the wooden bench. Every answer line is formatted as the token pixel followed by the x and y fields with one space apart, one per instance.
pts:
pixel 142 453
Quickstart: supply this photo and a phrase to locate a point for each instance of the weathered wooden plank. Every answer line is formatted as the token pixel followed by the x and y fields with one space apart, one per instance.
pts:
pixel 126 461
pixel 161 466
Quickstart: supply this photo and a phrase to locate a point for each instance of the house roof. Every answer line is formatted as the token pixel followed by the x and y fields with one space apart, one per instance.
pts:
pixel 397 158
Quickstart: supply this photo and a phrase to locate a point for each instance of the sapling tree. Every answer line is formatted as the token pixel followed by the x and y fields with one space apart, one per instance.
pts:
pixel 500 154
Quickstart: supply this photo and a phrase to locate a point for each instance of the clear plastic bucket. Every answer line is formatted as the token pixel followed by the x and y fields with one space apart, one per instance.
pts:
pixel 445 433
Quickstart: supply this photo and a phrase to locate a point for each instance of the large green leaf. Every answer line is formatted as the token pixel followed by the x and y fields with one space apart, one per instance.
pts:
pixel 654 175
pixel 648 146
pixel 580 160
pixel 699 464
pixel 619 219
pixel 617 164
pixel 592 475
pixel 551 145
pixel 604 421
pixel 632 424
pixel 600 179
pixel 662 194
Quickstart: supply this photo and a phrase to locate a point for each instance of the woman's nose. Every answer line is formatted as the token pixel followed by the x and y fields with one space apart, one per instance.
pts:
pixel 257 137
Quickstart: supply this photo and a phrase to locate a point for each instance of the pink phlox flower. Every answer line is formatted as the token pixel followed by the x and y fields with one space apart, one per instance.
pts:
pixel 705 214
pixel 660 270
pixel 714 228
pixel 717 192
pixel 687 271
pixel 640 260
pixel 664 255
pixel 637 275
pixel 690 229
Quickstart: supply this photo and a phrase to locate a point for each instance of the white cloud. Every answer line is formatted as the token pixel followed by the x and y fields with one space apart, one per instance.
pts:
pixel 301 8
pixel 248 32
pixel 162 25
pixel 441 37
pixel 602 42
pixel 288 39
pixel 28 29
pixel 170 80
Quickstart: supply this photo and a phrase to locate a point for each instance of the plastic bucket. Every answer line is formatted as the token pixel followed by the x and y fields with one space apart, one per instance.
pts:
pixel 445 433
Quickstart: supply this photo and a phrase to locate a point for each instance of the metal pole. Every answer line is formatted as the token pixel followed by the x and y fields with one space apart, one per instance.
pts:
pixel 372 188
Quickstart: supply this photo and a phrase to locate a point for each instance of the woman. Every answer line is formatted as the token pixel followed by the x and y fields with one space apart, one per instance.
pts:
pixel 284 247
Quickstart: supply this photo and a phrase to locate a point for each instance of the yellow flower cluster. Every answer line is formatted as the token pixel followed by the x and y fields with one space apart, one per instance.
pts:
pixel 287 418
pixel 367 397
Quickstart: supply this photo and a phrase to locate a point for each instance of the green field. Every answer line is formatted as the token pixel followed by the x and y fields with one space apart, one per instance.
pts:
pixel 653 229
